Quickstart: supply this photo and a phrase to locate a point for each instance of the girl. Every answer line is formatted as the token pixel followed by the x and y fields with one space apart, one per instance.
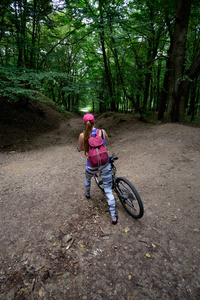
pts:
pixel 105 170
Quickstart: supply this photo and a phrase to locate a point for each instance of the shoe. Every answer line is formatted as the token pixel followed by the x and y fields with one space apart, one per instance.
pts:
pixel 115 222
pixel 87 196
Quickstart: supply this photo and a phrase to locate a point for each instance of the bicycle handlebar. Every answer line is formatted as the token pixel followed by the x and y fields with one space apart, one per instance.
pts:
pixel 112 158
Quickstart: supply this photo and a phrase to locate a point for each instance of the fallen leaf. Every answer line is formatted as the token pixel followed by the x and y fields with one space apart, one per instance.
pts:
pixel 175 218
pixel 154 228
pixel 148 255
pixel 54 244
pixel 153 245
pixel 40 293
pixel 127 229
pixel 129 277
pixel 82 246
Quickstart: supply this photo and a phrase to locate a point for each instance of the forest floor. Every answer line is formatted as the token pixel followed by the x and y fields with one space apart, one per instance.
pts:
pixel 55 244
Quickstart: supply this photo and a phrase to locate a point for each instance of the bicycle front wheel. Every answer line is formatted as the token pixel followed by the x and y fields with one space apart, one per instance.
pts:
pixel 129 197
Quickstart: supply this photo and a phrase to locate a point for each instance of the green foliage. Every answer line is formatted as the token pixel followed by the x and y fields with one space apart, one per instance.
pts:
pixel 16 84
pixel 86 53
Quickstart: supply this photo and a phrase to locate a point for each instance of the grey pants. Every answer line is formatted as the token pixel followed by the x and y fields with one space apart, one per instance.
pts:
pixel 106 175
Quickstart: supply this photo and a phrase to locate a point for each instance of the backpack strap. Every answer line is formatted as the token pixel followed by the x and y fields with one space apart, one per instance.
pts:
pixel 97 132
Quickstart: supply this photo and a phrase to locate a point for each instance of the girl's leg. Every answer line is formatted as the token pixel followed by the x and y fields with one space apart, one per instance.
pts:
pixel 106 175
pixel 89 173
pixel 87 187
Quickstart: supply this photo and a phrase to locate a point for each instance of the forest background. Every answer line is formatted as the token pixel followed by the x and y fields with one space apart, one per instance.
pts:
pixel 119 55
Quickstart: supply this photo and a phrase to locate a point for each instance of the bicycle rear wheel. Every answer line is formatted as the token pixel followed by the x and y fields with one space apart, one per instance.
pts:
pixel 129 197
pixel 99 181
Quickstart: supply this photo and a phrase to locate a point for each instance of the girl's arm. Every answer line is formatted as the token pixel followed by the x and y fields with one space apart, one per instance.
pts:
pixel 105 136
pixel 80 142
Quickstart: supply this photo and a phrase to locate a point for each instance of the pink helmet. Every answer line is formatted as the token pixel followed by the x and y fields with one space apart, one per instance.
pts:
pixel 88 117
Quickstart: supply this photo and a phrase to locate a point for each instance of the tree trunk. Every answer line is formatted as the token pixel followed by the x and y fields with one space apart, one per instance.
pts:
pixel 146 89
pixel 32 53
pixel 192 101
pixel 108 77
pixel 175 106
pixel 157 91
pixel 164 92
pixel 21 12
pixel 184 88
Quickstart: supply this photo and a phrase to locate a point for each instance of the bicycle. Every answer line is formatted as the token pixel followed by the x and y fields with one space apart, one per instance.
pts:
pixel 126 192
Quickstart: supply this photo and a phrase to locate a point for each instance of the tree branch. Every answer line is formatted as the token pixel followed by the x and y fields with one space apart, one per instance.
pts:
pixel 61 42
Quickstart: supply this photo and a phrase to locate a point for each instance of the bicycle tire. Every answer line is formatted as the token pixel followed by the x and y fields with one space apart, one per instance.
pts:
pixel 129 197
pixel 99 181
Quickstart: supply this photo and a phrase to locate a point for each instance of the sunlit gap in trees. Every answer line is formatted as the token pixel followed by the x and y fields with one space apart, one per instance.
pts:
pixel 86 109
pixel 58 3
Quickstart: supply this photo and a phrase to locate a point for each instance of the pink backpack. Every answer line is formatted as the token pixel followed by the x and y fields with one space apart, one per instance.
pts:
pixel 97 155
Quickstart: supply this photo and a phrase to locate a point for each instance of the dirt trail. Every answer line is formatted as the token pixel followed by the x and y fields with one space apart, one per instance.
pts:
pixel 42 201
